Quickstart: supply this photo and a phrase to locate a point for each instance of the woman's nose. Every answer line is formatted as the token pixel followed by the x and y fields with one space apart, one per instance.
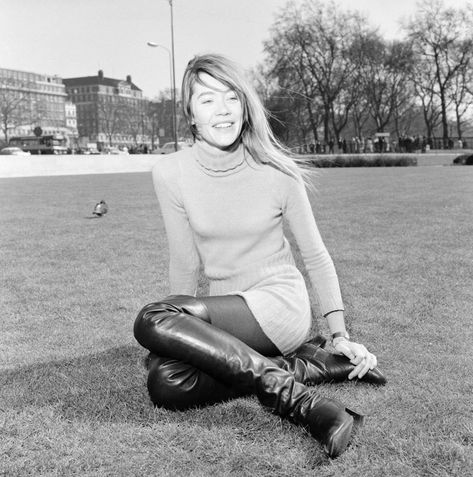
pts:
pixel 222 108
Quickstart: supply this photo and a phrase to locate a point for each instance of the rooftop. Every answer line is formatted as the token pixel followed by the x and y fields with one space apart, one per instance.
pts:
pixel 99 79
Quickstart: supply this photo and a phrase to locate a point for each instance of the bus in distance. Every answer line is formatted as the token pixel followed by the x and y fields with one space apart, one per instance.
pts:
pixel 51 144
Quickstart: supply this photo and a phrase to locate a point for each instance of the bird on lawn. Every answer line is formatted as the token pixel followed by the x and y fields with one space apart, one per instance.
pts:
pixel 101 208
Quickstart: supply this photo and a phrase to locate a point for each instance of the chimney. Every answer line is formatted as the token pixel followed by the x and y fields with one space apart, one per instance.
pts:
pixel 101 74
pixel 128 79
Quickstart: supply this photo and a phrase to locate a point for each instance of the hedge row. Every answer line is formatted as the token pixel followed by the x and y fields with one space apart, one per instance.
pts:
pixel 364 160
pixel 463 160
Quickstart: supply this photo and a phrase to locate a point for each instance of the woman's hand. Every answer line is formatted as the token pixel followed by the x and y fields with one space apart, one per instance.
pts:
pixel 358 355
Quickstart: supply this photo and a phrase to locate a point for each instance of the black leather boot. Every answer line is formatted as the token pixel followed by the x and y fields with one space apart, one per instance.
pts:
pixel 167 332
pixel 175 384
pixel 312 365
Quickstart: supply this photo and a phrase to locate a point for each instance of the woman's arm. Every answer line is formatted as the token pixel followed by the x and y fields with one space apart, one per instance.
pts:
pixel 297 212
pixel 184 260
pixel 323 276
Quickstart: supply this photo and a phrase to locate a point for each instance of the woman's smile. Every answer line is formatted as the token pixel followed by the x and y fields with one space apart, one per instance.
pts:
pixel 217 112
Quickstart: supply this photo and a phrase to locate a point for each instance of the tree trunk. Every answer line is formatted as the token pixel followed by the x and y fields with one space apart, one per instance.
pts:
pixel 326 123
pixel 444 118
pixel 459 127
pixel 312 121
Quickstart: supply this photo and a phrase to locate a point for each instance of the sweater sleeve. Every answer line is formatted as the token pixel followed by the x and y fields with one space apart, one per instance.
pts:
pixel 184 260
pixel 319 265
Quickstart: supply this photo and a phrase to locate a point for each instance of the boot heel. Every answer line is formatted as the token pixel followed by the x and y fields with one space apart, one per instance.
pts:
pixel 339 438
pixel 331 424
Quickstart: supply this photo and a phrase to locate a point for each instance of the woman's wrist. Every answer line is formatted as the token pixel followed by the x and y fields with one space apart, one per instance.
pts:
pixel 336 322
pixel 339 338
pixel 340 335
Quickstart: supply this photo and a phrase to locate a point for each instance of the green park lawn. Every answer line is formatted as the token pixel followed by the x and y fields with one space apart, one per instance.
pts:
pixel 73 399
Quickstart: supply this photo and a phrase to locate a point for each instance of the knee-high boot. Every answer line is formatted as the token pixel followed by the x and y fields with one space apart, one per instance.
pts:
pixel 311 364
pixel 176 334
pixel 175 384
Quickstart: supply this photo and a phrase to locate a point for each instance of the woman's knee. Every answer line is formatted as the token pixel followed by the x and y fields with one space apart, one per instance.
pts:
pixel 147 319
pixel 190 305
pixel 174 385
pixel 168 308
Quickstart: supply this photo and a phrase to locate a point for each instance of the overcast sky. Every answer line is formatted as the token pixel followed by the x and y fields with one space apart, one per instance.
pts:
pixel 78 37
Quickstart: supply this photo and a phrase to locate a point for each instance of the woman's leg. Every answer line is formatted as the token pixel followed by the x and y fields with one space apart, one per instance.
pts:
pixel 166 330
pixel 175 384
pixel 310 364
pixel 231 314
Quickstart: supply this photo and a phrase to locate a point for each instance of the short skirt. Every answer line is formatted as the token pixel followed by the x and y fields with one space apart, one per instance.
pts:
pixel 280 304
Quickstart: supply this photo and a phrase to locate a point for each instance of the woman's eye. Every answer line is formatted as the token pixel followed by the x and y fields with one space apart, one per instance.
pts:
pixel 233 98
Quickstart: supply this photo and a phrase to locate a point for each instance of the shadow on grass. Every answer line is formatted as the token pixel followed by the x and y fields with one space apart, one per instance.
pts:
pixel 107 386
pixel 110 388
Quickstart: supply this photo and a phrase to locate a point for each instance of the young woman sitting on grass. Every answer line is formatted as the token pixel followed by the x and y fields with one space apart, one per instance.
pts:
pixel 223 202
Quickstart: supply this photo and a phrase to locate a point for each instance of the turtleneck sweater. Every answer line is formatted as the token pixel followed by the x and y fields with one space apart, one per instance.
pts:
pixel 225 211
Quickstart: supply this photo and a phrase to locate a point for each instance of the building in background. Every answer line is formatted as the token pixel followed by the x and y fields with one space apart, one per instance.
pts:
pixel 30 100
pixel 110 112
pixel 88 112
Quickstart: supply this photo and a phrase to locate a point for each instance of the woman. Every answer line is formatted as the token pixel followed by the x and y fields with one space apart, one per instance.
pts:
pixel 223 202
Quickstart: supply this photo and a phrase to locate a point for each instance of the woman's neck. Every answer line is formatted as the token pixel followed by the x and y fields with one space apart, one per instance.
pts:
pixel 219 162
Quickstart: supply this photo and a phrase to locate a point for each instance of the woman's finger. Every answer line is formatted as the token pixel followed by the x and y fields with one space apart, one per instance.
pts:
pixel 366 367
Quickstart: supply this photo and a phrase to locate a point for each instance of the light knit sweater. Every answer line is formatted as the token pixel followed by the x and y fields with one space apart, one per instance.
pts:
pixel 226 211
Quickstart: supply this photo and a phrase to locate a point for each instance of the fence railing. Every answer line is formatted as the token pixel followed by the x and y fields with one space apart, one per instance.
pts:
pixel 403 145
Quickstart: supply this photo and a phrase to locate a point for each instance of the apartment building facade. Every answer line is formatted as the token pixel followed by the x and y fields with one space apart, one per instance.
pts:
pixel 29 100
pixel 110 112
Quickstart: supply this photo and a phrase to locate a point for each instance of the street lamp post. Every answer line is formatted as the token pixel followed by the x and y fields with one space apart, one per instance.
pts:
pixel 173 88
pixel 173 76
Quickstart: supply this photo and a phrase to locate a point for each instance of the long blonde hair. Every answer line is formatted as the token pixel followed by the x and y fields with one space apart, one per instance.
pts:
pixel 256 134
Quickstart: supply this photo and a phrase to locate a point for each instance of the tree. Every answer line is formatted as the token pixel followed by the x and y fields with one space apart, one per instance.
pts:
pixel 424 81
pixel 383 71
pixel 309 54
pixel 461 95
pixel 152 121
pixel 111 116
pixel 287 109
pixel 133 119
pixel 13 106
pixel 442 38
pixel 285 64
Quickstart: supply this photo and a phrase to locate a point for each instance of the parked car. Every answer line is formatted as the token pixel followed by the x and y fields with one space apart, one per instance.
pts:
pixel 14 151
pixel 169 147
pixel 111 150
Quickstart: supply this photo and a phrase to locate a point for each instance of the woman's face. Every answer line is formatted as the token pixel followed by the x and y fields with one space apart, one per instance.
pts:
pixel 216 111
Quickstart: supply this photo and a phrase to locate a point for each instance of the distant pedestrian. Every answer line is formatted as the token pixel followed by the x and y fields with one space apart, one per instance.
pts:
pixel 223 202
pixel 331 143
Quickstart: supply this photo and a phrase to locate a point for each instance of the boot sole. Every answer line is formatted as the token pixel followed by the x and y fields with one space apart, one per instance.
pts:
pixel 339 440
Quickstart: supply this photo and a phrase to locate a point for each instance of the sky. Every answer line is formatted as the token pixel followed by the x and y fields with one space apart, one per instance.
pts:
pixel 72 38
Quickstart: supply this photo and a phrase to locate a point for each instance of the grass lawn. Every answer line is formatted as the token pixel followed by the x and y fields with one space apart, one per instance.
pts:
pixel 73 399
